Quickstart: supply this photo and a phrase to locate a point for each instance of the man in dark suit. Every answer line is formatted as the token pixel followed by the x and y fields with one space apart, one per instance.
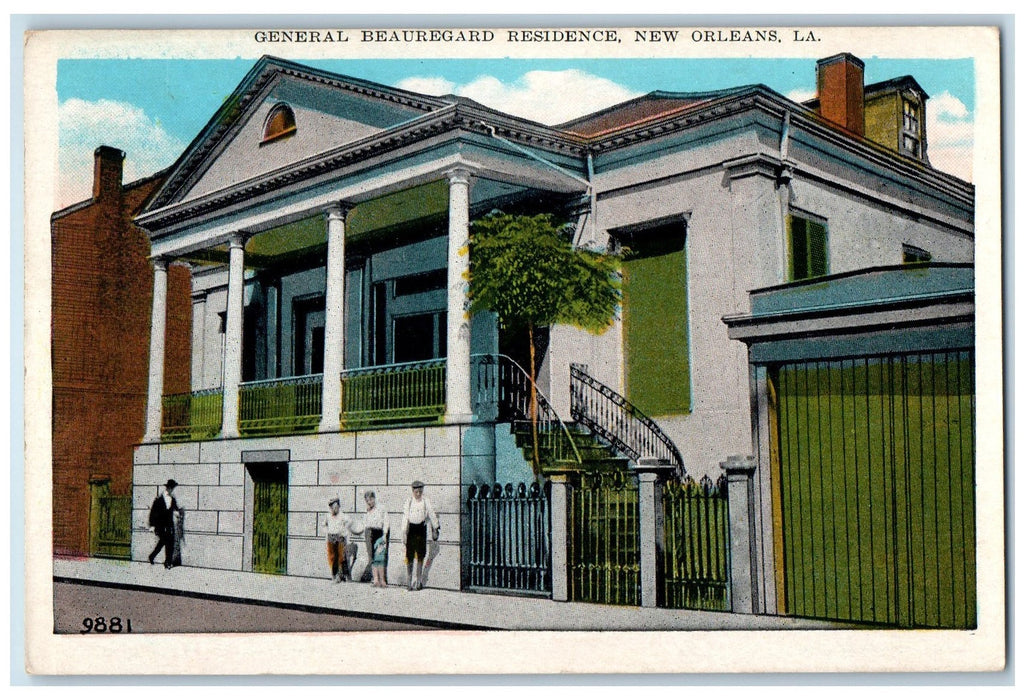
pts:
pixel 161 520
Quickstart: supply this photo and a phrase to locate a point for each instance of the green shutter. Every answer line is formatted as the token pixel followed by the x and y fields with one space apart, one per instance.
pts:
pixel 818 249
pixel 655 327
pixel 798 248
pixel 809 248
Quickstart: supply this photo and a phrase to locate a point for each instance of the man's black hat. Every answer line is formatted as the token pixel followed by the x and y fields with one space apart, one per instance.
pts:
pixel 171 483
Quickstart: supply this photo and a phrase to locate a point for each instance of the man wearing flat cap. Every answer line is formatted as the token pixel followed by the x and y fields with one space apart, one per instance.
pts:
pixel 161 521
pixel 417 514
pixel 337 527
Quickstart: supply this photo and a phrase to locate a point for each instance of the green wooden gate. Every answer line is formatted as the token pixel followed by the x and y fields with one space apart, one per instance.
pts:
pixel 110 523
pixel 875 471
pixel 604 543
pixel 270 519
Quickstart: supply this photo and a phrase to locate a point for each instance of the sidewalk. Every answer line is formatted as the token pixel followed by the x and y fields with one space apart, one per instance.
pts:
pixel 454 609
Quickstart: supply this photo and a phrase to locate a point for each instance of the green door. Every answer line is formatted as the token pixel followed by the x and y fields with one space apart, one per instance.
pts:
pixel 655 329
pixel 875 478
pixel 270 518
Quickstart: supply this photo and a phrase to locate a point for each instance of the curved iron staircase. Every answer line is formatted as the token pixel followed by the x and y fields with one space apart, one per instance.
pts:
pixel 618 422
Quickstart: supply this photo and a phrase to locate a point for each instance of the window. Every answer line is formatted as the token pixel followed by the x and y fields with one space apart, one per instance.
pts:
pixel 911 137
pixel 809 248
pixel 418 284
pixel 420 337
pixel 280 123
pixel 656 328
pixel 914 254
pixel 911 117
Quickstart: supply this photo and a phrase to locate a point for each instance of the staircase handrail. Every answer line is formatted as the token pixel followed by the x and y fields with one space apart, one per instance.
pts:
pixel 630 430
pixel 543 404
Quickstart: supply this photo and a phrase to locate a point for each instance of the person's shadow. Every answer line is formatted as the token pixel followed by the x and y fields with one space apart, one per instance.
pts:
pixel 432 551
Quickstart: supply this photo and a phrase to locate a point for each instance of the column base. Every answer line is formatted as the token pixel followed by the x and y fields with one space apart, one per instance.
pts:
pixel 458 418
pixel 329 426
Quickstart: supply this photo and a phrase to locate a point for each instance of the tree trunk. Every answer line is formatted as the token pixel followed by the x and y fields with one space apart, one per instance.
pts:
pixel 533 401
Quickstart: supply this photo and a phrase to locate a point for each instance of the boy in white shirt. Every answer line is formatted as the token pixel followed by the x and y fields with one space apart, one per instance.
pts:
pixel 416 515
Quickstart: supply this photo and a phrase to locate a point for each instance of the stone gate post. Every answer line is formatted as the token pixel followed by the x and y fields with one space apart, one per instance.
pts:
pixel 651 474
pixel 740 494
pixel 560 536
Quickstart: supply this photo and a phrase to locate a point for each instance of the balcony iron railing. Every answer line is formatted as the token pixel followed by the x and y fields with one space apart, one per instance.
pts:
pixel 408 391
pixel 280 406
pixel 192 416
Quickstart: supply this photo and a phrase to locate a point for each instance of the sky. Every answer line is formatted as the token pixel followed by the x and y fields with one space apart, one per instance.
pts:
pixel 153 108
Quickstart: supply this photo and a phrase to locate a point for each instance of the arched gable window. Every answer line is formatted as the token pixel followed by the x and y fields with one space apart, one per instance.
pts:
pixel 280 123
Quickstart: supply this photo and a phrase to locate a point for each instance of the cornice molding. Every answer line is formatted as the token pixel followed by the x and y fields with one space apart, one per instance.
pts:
pixel 450 119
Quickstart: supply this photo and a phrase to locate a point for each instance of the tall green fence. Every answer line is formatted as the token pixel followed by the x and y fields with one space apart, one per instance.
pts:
pixel 877 485
pixel 696 562
pixel 604 544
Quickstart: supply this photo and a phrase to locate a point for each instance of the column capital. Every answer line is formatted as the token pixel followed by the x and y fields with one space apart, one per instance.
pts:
pixel 237 239
pixel 739 467
pixel 338 210
pixel 652 469
pixel 159 263
pixel 459 175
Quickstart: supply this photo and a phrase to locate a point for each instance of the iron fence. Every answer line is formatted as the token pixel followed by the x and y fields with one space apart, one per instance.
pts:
pixel 604 544
pixel 510 538
pixel 192 416
pixel 280 406
pixel 696 562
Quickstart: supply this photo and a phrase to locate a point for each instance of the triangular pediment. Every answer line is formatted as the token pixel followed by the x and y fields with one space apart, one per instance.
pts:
pixel 329 111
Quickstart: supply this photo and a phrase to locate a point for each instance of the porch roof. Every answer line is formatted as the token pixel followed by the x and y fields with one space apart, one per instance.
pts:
pixel 906 300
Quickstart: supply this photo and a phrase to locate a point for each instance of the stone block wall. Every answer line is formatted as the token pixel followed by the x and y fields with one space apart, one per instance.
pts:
pixel 215 485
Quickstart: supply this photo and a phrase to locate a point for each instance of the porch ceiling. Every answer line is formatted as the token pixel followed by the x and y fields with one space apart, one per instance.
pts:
pixel 422 204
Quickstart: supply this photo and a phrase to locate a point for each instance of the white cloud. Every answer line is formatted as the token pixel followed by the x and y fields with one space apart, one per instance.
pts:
pixel 537 95
pixel 86 125
pixel 801 95
pixel 950 133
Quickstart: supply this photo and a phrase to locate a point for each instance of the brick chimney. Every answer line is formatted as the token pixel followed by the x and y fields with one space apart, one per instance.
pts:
pixel 107 172
pixel 841 86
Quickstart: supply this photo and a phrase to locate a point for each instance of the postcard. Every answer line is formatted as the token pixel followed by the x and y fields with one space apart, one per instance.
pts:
pixel 441 349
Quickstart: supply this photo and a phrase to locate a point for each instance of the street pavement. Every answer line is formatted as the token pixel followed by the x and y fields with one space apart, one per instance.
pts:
pixel 434 607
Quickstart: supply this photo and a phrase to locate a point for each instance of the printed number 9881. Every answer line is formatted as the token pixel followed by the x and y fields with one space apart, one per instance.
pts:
pixel 100 624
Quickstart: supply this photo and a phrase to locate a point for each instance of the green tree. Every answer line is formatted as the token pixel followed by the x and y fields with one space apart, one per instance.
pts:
pixel 526 271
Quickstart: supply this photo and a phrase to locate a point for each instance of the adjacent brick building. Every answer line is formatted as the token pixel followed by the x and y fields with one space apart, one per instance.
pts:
pixel 101 303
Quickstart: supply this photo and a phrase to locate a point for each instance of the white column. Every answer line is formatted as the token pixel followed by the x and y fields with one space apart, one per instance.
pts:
pixel 158 322
pixel 334 322
pixel 457 366
pixel 233 336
